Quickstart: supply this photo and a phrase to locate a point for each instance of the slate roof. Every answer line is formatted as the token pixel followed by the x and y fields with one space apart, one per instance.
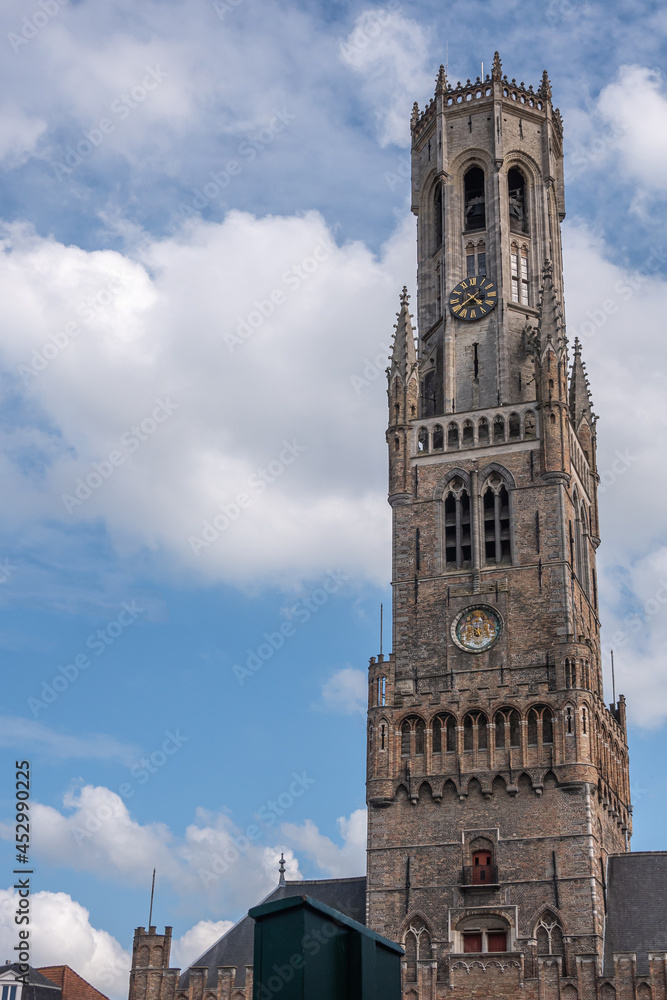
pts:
pixel 38 988
pixel 636 907
pixel 348 895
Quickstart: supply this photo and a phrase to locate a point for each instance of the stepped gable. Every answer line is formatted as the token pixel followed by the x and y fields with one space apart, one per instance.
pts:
pixel 236 947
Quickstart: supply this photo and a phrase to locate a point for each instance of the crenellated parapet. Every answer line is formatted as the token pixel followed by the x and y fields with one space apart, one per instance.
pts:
pixel 494 86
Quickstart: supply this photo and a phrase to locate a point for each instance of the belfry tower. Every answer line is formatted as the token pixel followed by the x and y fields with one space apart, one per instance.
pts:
pixel 497 776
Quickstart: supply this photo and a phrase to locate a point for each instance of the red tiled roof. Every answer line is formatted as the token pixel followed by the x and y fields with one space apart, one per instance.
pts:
pixel 72 985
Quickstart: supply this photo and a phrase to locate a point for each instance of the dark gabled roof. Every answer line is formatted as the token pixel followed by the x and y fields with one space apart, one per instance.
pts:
pixel 38 987
pixel 348 895
pixel 636 907
pixel 35 978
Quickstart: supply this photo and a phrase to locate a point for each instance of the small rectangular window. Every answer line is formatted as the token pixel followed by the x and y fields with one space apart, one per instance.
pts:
pixel 481 263
pixel 472 942
pixel 497 941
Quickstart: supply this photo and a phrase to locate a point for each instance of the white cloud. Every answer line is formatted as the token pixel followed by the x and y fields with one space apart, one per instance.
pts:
pixel 635 107
pixel 19 134
pixel 629 383
pixel 214 862
pixel 195 942
pixel 389 51
pixel 36 737
pixel 186 343
pixel 336 861
pixel 61 934
pixel 346 691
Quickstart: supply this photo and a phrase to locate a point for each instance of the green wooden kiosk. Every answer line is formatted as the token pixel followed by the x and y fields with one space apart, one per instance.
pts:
pixel 305 950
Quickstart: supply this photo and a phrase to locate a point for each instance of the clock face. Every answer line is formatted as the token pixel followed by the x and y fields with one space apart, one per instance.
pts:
pixel 473 298
pixel 476 628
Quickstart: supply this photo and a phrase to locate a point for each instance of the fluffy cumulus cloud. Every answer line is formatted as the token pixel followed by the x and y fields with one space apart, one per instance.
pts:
pixel 210 396
pixel 388 51
pixel 188 948
pixel 635 109
pixel 618 315
pixel 62 934
pixel 335 860
pixel 213 860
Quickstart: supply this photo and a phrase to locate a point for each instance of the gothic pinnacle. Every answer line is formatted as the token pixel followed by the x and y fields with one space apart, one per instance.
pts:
pixel 496 72
pixel 441 81
pixel 580 394
pixel 545 86
pixel 404 355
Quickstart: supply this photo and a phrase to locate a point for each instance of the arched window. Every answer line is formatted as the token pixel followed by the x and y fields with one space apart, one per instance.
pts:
pixel 549 935
pixel 529 430
pixel 417 944
pixel 547 726
pixel 457 526
pixel 422 439
pixel 468 434
pixel 515 427
pixel 497 542
pixel 383 736
pixel 581 549
pixel 475 731
pixel 419 737
pixel 484 934
pixel 498 430
pixel 438 438
pixel 483 431
pixel 412 724
pixel 453 436
pixel 507 728
pixel 382 691
pixel 516 189
pixel 444 734
pixel 532 728
pixel 437 217
pixel 475 208
pixel 569 722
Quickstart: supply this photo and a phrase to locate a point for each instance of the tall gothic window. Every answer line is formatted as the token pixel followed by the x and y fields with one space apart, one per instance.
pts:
pixel 475 730
pixel 475 205
pixel 437 217
pixel 516 188
pixel 497 544
pixel 457 526
pixel 519 269
pixel 444 734
pixel 507 725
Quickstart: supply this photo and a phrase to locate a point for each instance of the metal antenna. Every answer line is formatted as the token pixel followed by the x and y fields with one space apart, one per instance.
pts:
pixel 381 629
pixel 150 915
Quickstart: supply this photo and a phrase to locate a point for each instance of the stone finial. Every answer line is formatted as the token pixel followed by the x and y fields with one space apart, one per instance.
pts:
pixel 281 869
pixel 441 81
pixel 496 72
pixel 545 86
pixel 414 117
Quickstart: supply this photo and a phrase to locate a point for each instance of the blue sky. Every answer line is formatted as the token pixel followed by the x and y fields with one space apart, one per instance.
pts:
pixel 205 228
